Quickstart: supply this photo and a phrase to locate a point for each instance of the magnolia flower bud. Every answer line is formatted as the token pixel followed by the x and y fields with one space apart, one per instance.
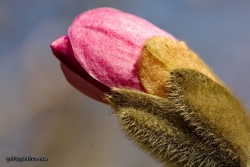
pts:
pixel 178 109
pixel 107 44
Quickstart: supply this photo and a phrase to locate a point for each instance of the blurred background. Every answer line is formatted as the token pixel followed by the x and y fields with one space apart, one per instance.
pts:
pixel 41 115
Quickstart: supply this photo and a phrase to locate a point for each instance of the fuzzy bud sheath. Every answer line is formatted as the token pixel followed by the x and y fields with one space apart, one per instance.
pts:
pixel 166 98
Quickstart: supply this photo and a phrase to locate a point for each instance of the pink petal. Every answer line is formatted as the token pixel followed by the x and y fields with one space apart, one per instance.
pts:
pixel 75 74
pixel 108 44
pixel 82 85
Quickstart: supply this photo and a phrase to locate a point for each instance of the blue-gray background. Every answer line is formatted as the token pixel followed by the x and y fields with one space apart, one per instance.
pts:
pixel 42 115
